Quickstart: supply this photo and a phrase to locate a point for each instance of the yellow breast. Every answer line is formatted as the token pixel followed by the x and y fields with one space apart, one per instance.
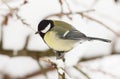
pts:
pixel 58 44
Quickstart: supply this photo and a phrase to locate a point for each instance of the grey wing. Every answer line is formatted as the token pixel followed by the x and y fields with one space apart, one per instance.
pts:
pixel 68 33
pixel 73 35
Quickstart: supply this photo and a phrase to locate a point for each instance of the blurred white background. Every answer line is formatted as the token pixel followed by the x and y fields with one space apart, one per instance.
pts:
pixel 15 33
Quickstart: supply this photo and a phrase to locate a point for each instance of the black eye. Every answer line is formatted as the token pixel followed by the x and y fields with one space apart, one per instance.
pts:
pixel 42 25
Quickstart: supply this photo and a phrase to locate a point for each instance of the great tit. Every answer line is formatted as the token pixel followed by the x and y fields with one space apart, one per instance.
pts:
pixel 61 36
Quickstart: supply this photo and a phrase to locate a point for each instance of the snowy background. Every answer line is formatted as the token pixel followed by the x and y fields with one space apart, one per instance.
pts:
pixel 15 33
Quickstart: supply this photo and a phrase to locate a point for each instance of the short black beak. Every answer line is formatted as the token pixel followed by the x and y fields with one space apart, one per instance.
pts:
pixel 37 32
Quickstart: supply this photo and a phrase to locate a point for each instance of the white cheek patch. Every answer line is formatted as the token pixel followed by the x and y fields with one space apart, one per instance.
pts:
pixel 46 29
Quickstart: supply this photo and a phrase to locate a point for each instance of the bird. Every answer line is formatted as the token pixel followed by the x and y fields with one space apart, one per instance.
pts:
pixel 61 36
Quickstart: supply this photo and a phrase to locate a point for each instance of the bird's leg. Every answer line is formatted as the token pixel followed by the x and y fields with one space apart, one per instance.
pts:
pixel 59 54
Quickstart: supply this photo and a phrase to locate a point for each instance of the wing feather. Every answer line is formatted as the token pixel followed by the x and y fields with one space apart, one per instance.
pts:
pixel 74 35
pixel 71 34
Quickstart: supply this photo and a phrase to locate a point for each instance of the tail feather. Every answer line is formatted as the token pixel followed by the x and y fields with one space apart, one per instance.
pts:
pixel 100 39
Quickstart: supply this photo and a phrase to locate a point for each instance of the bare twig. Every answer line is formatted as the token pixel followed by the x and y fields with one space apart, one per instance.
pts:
pixel 61 4
pixel 100 22
pixel 14 11
pixel 36 54
pixel 39 72
pixel 68 6
pixel 81 71
pixel 42 69
pixel 100 70
pixel 61 8
pixel 62 75
pixel 23 22
pixel 6 4
pixel 67 13
pixel 60 70
pixel 86 16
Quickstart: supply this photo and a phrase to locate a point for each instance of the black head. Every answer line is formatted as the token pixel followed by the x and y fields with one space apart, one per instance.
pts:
pixel 44 26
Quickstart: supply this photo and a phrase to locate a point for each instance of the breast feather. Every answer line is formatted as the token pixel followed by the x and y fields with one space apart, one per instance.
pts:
pixel 58 44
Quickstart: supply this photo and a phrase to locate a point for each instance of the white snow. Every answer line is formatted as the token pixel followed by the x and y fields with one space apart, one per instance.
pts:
pixel 20 66
pixel 3 61
pixel 15 35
